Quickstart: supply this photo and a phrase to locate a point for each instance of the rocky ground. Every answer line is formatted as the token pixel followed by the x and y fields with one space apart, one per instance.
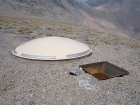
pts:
pixel 29 82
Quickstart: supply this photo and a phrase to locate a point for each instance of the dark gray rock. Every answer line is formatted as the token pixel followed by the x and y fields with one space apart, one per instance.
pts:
pixel 75 71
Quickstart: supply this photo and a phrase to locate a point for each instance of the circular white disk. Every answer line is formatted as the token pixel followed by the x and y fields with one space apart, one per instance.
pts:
pixel 52 48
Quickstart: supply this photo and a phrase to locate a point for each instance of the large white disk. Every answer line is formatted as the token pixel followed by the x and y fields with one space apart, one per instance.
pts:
pixel 52 48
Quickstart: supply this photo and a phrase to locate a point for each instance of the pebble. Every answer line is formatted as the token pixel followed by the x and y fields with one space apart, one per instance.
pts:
pixel 75 71
pixel 31 102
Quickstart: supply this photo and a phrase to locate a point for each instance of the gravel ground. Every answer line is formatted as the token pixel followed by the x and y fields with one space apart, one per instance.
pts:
pixel 29 82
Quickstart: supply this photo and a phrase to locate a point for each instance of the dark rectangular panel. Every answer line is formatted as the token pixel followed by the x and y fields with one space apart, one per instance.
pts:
pixel 103 70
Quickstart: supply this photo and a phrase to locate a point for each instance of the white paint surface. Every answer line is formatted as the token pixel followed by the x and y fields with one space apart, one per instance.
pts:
pixel 47 47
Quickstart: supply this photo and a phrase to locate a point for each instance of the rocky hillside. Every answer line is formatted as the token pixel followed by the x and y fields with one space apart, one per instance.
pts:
pixel 60 10
pixel 29 82
pixel 112 16
pixel 125 14
pixel 95 3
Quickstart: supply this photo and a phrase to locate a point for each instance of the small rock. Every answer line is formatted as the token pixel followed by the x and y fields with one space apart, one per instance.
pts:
pixel 32 95
pixel 31 102
pixel 75 71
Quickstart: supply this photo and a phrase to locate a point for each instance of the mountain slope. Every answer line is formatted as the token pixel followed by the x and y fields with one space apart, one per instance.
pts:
pixel 60 10
pixel 125 14
pixel 112 16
